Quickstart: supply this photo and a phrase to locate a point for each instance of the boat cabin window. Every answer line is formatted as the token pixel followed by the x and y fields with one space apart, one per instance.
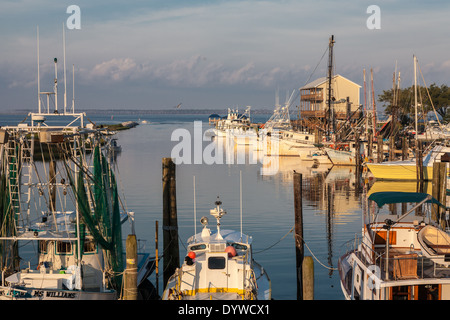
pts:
pixel 401 293
pixel 429 292
pixel 89 247
pixel 198 247
pixel 63 247
pixel 43 246
pixel 216 263
pixel 238 246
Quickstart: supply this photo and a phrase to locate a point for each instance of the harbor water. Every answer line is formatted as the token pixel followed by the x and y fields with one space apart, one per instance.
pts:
pixel 331 199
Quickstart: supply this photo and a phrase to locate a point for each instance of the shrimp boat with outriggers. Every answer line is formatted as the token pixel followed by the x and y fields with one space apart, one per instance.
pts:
pixel 403 257
pixel 219 265
pixel 60 213
pixel 61 216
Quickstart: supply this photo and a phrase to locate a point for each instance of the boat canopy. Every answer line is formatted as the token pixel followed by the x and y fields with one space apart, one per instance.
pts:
pixel 386 197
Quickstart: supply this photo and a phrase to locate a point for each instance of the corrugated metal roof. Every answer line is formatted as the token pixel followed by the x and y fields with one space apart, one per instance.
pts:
pixel 322 80
pixel 314 83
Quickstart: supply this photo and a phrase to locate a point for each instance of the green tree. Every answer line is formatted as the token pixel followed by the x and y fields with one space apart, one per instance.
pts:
pixel 440 97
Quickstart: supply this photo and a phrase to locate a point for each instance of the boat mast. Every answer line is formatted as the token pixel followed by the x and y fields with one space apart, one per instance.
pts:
pixel 373 104
pixel 415 90
pixel 64 62
pixel 38 77
pixel 365 103
pixel 330 71
pixel 240 198
pixel 195 214
pixel 56 85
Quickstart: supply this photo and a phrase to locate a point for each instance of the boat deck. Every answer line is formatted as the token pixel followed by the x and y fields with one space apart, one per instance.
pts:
pixel 214 296
pixel 407 265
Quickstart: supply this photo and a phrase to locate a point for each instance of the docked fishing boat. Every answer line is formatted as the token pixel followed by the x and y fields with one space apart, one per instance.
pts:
pixel 398 257
pixel 317 155
pixel 219 265
pixel 341 157
pixel 60 211
pixel 112 147
pixel 233 124
pixel 295 143
pixel 407 169
pixel 79 243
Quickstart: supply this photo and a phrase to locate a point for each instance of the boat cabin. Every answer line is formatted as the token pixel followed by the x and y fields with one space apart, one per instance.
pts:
pixel 398 258
pixel 219 266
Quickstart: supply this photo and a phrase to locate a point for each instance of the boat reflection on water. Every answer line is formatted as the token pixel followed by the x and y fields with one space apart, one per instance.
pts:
pixel 330 193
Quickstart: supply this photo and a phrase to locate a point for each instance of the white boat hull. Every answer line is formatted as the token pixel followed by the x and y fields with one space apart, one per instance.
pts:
pixel 341 157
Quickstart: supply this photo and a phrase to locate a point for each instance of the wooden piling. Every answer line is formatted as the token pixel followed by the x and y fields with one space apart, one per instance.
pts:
pixel 443 193
pixel 170 220
pixel 404 148
pixel 52 185
pixel 157 256
pixel 130 291
pixel 439 191
pixel 308 278
pixel 392 148
pixel 298 236
pixel 357 155
pixel 419 161
pixel 380 149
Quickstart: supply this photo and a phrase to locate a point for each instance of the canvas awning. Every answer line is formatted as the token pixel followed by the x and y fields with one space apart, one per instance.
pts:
pixel 382 198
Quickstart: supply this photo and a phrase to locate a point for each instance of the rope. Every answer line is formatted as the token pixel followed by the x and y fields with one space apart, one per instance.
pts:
pixel 292 229
pixel 309 249
pixel 323 265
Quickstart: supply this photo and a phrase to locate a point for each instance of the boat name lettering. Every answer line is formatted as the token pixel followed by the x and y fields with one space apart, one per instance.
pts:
pixel 55 294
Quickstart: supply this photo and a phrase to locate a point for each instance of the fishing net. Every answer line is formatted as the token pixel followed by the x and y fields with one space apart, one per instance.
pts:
pixel 103 222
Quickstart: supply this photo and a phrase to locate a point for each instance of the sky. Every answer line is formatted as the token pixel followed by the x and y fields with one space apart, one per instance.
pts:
pixel 155 54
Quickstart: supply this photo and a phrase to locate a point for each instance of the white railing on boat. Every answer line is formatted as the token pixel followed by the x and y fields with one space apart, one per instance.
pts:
pixel 401 264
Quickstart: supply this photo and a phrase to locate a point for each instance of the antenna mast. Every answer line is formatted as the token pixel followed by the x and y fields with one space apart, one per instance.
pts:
pixel 56 85
pixel 195 212
pixel 415 91
pixel 64 61
pixel 73 89
pixel 330 75
pixel 38 79
pixel 240 197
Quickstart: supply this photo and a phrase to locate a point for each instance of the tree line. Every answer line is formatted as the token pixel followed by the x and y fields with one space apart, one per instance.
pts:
pixel 401 102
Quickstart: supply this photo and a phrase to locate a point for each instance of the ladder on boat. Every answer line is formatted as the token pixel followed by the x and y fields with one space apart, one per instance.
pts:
pixel 26 156
pixel 19 156
pixel 12 169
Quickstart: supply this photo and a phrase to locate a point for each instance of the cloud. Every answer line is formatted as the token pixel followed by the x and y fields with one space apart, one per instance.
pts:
pixel 114 69
pixel 244 46
pixel 196 71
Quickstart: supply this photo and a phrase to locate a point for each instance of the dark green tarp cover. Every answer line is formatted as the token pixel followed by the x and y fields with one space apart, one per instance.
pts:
pixel 103 222
pixel 382 198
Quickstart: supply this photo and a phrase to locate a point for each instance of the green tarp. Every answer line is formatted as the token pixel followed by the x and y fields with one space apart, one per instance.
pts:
pixel 382 198
pixel 103 222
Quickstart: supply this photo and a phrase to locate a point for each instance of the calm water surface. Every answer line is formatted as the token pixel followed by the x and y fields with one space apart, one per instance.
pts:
pixel 331 206
pixel 268 204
